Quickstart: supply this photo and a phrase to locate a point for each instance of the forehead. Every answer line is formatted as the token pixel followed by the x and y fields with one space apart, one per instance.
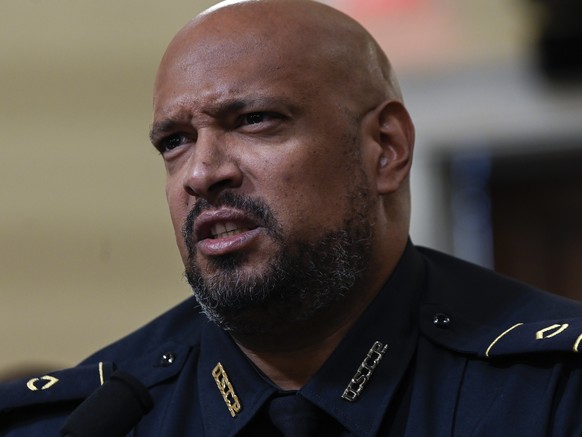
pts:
pixel 215 85
pixel 228 56
pixel 233 64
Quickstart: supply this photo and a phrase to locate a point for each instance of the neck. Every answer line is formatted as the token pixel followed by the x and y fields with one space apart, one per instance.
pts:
pixel 289 359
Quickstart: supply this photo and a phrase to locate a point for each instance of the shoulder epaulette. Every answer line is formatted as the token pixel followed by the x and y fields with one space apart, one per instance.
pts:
pixel 554 336
pixel 499 339
pixel 64 385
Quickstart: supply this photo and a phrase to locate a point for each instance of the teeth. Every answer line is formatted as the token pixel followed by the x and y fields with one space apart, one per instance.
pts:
pixel 221 230
pixel 229 227
pixel 217 229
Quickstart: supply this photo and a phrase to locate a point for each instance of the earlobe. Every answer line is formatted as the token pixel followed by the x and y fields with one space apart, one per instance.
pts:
pixel 394 134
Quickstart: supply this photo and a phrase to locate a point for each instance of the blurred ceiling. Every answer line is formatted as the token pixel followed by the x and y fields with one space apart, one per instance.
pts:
pixel 415 32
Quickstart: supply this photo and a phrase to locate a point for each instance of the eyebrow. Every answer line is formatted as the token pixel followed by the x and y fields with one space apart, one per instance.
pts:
pixel 159 128
pixel 239 104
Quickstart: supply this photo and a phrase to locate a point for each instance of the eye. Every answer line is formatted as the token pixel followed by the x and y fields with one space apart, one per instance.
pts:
pixel 260 122
pixel 171 142
pixel 254 118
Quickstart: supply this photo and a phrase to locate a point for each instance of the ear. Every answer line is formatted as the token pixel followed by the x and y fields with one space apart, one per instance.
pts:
pixel 389 132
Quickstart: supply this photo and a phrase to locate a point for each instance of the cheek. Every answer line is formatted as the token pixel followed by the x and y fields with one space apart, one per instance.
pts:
pixel 308 202
pixel 178 207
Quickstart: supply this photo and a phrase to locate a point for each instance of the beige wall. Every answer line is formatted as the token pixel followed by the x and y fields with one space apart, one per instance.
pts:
pixel 86 247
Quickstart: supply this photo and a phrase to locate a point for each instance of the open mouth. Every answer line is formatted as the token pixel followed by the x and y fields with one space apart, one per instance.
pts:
pixel 226 231
pixel 222 224
pixel 222 230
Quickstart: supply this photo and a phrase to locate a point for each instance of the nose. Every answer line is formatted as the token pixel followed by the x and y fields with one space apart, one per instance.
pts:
pixel 211 168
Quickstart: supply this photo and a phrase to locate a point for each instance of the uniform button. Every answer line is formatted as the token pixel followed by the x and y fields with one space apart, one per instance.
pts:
pixel 168 359
pixel 441 320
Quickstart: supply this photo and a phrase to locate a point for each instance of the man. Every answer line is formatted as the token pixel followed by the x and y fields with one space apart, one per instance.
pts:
pixel 288 151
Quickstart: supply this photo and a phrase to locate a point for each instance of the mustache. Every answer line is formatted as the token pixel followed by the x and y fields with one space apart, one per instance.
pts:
pixel 255 208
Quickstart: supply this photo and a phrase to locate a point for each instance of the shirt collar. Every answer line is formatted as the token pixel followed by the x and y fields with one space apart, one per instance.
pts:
pixel 250 389
pixel 390 320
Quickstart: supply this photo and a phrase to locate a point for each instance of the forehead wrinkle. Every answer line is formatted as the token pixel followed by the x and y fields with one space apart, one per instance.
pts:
pixel 225 102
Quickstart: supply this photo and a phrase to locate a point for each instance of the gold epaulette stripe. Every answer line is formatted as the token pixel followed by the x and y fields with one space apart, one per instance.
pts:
pixel 507 331
pixel 568 334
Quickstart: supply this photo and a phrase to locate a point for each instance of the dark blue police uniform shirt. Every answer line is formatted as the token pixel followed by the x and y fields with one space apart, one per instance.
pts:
pixel 446 349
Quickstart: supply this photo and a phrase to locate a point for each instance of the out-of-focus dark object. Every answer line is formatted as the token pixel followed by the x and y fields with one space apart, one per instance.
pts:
pixel 536 215
pixel 560 39
pixel 520 212
pixel 112 411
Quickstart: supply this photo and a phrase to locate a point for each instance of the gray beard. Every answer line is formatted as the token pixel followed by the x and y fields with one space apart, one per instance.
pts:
pixel 303 279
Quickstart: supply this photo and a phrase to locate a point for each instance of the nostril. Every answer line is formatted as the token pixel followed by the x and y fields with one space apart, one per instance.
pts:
pixel 221 185
pixel 189 190
pixel 210 191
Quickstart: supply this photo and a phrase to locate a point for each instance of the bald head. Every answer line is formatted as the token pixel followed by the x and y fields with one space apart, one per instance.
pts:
pixel 300 34
pixel 285 141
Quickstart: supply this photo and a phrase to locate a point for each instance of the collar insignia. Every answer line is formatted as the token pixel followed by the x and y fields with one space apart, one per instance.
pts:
pixel 226 390
pixel 362 376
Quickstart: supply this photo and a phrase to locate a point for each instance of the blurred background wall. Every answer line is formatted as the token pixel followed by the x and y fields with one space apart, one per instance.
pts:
pixel 86 246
